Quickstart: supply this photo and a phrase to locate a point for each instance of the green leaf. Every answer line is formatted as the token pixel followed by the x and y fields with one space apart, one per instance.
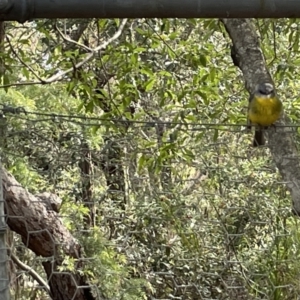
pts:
pixel 203 60
pixel 216 135
pixel 89 107
pixel 165 73
pixel 150 84
pixel 6 81
pixel 212 74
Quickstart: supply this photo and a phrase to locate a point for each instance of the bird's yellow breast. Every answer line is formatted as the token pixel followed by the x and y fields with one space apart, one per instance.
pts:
pixel 264 111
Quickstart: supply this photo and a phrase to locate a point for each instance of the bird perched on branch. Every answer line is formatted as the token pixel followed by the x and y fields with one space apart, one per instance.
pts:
pixel 264 110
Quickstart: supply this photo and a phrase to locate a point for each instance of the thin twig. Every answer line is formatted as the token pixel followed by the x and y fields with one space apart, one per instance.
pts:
pixel 89 56
pixel 59 76
pixel 21 84
pixel 23 62
pixel 67 39
pixel 31 272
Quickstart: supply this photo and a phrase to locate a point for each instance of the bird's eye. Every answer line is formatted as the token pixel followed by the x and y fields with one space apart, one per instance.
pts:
pixel 266 90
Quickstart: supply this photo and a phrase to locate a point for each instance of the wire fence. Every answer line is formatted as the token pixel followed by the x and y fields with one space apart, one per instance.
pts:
pixel 120 209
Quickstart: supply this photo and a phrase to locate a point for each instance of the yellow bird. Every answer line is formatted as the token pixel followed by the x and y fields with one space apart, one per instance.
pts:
pixel 265 108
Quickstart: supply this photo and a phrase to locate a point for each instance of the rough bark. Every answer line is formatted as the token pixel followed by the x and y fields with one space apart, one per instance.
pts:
pixel 43 232
pixel 111 165
pixel 247 55
pixel 85 166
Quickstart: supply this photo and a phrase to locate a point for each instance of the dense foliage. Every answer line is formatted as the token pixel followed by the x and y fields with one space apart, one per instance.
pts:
pixel 145 144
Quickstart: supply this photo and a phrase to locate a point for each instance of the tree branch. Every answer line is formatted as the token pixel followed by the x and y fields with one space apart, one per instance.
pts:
pixel 247 55
pixel 43 232
pixel 31 272
pixel 69 40
pixel 89 56
pixel 60 75
pixel 22 61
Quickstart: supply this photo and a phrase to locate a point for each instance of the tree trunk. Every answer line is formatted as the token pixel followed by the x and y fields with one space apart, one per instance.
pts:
pixel 247 55
pixel 43 232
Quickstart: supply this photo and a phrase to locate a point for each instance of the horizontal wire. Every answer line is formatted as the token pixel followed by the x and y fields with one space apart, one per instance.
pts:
pixel 145 122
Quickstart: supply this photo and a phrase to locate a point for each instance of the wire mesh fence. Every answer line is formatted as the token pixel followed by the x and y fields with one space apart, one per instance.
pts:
pixel 113 209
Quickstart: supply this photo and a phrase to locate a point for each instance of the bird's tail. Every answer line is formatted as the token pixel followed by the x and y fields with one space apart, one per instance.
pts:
pixel 259 138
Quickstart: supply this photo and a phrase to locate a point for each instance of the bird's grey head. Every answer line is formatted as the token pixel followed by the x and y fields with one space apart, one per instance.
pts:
pixel 265 89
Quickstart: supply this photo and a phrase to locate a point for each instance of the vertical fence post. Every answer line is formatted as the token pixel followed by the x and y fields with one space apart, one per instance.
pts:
pixel 4 280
